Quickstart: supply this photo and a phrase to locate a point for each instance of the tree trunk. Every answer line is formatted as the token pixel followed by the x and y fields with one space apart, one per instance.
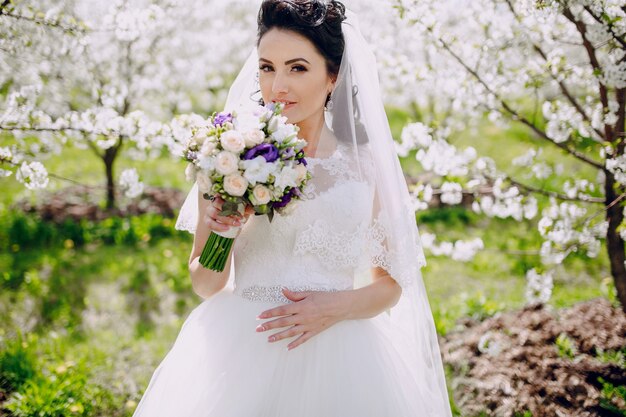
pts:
pixel 109 160
pixel 614 242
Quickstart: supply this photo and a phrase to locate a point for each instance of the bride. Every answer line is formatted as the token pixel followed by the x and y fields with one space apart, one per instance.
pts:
pixel 323 311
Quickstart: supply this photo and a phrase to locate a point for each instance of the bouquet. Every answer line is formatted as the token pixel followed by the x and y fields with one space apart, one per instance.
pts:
pixel 251 158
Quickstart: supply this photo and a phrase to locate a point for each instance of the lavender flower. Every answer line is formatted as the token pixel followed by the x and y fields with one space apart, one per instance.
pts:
pixel 221 118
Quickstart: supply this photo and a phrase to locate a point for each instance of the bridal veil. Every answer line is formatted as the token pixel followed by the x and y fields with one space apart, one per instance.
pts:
pixel 358 120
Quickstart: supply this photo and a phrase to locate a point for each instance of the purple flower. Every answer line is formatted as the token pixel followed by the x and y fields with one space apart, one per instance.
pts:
pixel 266 150
pixel 293 191
pixel 221 118
pixel 302 161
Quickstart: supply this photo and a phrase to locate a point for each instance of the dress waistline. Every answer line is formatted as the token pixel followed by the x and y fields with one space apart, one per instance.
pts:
pixel 274 294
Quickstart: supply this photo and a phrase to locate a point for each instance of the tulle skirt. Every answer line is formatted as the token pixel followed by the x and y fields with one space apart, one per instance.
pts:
pixel 219 366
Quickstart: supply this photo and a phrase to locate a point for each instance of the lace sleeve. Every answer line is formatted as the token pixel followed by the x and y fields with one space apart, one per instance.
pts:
pixel 379 250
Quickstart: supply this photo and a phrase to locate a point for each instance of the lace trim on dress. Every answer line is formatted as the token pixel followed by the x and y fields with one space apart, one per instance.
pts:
pixel 336 249
pixel 337 166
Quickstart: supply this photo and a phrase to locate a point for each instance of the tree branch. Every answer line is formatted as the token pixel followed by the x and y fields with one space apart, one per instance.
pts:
pixel 72 29
pixel 609 28
pixel 554 194
pixel 517 116
pixel 591 53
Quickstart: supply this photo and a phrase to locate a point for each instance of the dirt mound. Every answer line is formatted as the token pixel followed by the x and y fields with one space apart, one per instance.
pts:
pixel 541 361
pixel 78 202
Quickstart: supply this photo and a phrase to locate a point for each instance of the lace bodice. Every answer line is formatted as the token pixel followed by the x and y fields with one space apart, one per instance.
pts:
pixel 320 243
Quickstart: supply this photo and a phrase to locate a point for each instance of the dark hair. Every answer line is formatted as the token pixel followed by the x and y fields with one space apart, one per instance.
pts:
pixel 317 20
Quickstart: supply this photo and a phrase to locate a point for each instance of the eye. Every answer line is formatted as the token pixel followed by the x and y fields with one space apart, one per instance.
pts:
pixel 299 68
pixel 265 68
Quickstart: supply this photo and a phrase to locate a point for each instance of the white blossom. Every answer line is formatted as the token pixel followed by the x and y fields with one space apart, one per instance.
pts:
pixel 538 287
pixel 130 184
pixel 33 175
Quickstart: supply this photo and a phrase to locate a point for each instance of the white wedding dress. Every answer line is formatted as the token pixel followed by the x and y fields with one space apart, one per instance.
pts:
pixel 220 366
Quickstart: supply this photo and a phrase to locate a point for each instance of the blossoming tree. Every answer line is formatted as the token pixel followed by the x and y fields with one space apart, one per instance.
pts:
pixel 504 60
pixel 109 77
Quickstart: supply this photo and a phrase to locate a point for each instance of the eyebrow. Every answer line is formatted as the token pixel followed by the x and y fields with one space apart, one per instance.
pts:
pixel 286 62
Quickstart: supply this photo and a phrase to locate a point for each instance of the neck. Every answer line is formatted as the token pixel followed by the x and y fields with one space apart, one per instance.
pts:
pixel 311 131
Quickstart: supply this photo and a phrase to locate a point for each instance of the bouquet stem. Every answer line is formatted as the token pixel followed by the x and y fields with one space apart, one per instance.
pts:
pixel 218 245
pixel 215 252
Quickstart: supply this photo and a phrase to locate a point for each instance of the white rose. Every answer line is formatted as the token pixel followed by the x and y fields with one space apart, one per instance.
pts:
pixel 200 136
pixel 226 162
pixel 190 172
pixel 206 162
pixel 261 194
pixel 235 185
pixel 253 137
pixel 301 171
pixel 204 183
pixel 208 147
pixel 232 141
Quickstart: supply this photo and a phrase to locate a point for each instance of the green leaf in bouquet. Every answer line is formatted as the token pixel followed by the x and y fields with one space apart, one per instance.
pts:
pixel 229 208
pixel 261 209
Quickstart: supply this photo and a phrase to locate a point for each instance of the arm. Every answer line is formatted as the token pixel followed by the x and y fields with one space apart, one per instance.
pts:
pixel 206 282
pixel 371 300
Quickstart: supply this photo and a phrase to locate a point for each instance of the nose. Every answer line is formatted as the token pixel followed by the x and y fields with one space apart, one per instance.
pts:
pixel 279 85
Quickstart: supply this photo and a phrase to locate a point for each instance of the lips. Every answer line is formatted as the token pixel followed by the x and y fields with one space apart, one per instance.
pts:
pixel 286 103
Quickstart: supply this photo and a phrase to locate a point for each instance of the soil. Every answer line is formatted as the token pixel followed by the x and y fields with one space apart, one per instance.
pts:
pixel 521 370
pixel 78 202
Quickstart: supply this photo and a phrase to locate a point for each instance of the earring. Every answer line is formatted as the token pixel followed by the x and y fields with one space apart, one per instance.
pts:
pixel 329 103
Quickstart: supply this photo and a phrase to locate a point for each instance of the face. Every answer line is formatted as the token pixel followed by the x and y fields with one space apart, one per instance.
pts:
pixel 291 70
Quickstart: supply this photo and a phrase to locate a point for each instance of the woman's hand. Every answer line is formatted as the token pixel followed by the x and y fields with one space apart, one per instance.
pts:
pixel 218 223
pixel 310 314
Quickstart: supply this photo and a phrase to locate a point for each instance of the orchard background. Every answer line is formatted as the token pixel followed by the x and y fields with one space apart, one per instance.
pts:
pixel 509 119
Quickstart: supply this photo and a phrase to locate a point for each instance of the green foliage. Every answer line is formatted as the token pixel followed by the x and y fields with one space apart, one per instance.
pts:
pixel 61 391
pixel 611 394
pixel 17 364
pixel 566 347
pixel 609 291
pixel 617 357
pixel 452 216
pixel 21 231
pixel 144 298
pixel 479 307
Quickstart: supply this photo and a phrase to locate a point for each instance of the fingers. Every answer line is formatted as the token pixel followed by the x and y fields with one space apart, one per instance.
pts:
pixel 282 322
pixel 292 331
pixel 215 221
pixel 300 340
